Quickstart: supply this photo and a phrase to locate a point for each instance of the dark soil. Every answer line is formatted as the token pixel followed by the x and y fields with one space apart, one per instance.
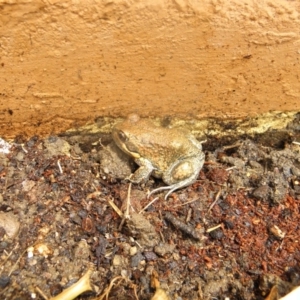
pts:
pixel 227 235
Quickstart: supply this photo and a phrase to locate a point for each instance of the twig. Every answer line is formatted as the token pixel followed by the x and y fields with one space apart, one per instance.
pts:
pixel 12 268
pixel 189 214
pixel 126 215
pixel 213 228
pixel 230 168
pixel 39 291
pixel 75 157
pixel 8 256
pixel 185 203
pixel 200 292
pixel 151 202
pixel 182 226
pixel 108 289
pixel 216 200
pixel 115 208
pixel 22 146
pixel 162 236
pixel 59 166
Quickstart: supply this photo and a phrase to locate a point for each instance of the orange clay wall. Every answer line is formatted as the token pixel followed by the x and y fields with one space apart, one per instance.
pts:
pixel 65 63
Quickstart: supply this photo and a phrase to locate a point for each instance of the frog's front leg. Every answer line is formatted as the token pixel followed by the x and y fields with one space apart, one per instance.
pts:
pixel 181 174
pixel 143 172
pixel 196 142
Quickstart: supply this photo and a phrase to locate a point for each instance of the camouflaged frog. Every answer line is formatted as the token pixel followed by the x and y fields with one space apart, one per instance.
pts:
pixel 168 153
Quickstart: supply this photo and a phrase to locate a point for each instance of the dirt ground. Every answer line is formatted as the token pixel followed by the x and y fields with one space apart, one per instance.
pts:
pixel 65 208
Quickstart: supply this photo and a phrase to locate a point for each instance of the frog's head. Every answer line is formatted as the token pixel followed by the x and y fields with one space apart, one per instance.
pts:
pixel 125 136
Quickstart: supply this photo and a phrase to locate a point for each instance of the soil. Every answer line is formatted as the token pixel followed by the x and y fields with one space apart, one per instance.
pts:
pixel 65 208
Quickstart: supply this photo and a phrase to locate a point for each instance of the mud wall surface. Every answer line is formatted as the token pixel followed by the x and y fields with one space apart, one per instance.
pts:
pixel 65 63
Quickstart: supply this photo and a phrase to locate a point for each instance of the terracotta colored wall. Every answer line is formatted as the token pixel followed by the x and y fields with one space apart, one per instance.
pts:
pixel 63 63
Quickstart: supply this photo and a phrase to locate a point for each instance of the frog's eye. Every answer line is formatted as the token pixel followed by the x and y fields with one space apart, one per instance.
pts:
pixel 122 136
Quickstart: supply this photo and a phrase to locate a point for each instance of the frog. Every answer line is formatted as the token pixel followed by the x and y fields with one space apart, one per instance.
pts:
pixel 172 154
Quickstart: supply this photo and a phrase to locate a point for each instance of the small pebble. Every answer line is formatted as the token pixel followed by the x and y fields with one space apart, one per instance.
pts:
pixel 150 256
pixel 4 281
pixel 10 223
pixel 119 260
pixel 133 251
pixel 216 234
pixel 136 259
pixel 261 193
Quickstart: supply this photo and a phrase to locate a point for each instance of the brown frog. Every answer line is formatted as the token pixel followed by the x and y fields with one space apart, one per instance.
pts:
pixel 168 153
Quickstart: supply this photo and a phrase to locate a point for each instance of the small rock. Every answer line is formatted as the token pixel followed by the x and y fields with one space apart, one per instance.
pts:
pixel 277 232
pixel 133 251
pixel 143 230
pixel 115 162
pixel 10 223
pixel 150 256
pixel 75 218
pixel 295 171
pixel 4 281
pixel 43 249
pixel 136 259
pixel 28 185
pixel 82 250
pixel 57 146
pixel 255 165
pixel 228 224
pixel 216 234
pixel 286 171
pixel 261 193
pixel 163 249
pixel 176 256
pixel 279 186
pixel 125 248
pixel 119 261
pixel 20 156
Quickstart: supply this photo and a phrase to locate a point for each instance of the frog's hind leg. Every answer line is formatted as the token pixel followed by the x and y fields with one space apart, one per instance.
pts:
pixel 179 185
pixel 163 188
pixel 181 174
pixel 174 187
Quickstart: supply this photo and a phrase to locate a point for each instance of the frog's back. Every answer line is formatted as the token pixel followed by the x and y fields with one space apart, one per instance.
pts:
pixel 163 145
